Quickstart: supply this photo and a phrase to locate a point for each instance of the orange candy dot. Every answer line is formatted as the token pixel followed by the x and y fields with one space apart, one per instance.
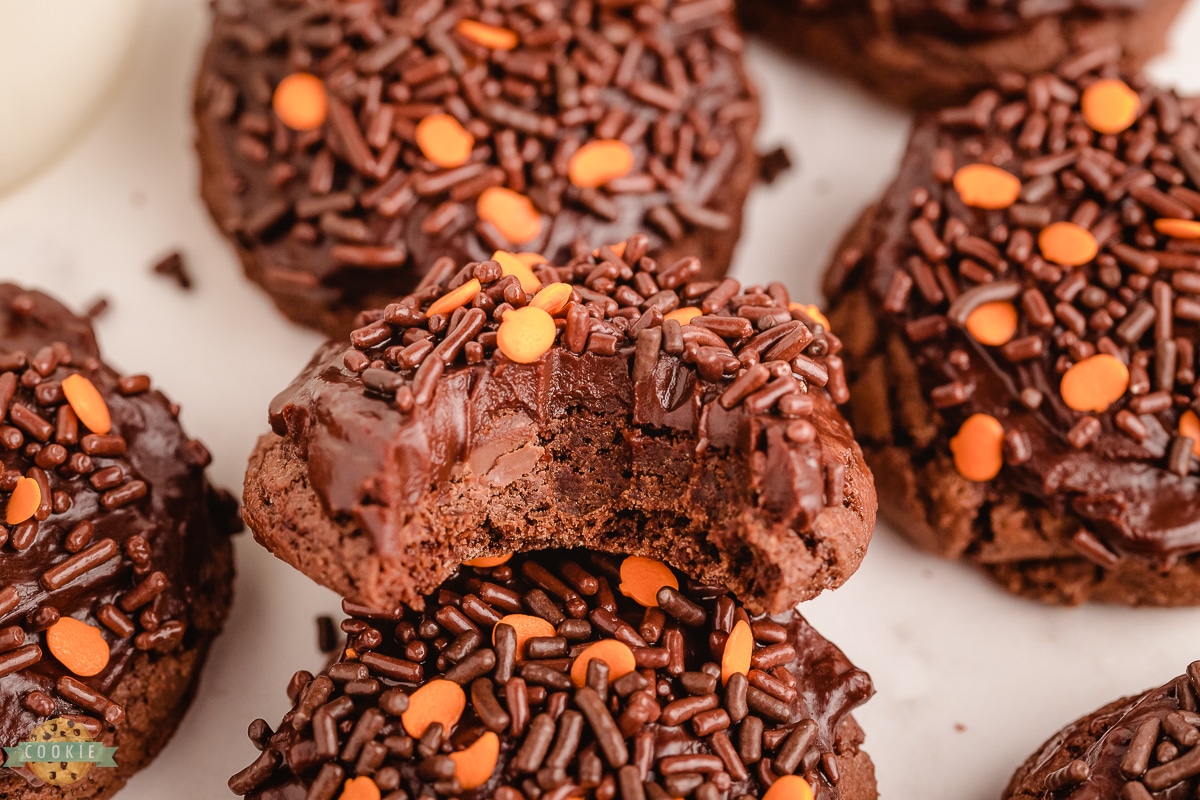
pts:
pixel 527 627
pixel 444 141
pixel 1178 228
pixel 1110 106
pixel 512 214
pixel 489 36
pixel 598 162
pixel 642 577
pixel 1094 383
pixel 301 101
pixel 439 700
pixel 455 298
pixel 1189 426
pixel 739 649
pixel 519 264
pixel 23 502
pixel 993 323
pixel 616 654
pixel 80 647
pixel 474 766
pixel 487 562
pixel 87 403
pixel 553 298
pixel 985 186
pixel 789 787
pixel 814 313
pixel 360 788
pixel 683 315
pixel 525 334
pixel 1067 244
pixel 978 448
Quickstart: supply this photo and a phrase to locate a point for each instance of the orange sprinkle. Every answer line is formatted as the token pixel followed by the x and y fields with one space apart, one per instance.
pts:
pixel 598 162
pixel 993 323
pixel 527 627
pixel 487 562
pixel 512 214
pixel 814 313
pixel 439 700
pixel 80 647
pixel 525 334
pixel 1094 383
pixel 519 264
pixel 789 787
pixel 618 248
pixel 301 102
pixel 553 298
pixel 739 648
pixel 985 186
pixel 1178 228
pixel 616 654
pixel 489 36
pixel 360 788
pixel 1067 244
pixel 474 766
pixel 1189 426
pixel 23 502
pixel 1110 106
pixel 978 448
pixel 444 141
pixel 87 403
pixel 642 577
pixel 455 298
pixel 683 315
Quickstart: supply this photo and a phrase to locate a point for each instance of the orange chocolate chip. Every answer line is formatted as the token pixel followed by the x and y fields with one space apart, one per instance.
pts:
pixel 642 577
pixel 527 627
pixel 1094 383
pixel 490 36
pixel 683 315
pixel 360 788
pixel 598 162
pixel 616 654
pixel 1189 426
pixel 439 700
pixel 455 298
pixel 519 264
pixel 87 403
pixel 525 334
pixel 23 502
pixel 444 141
pixel 474 766
pixel 80 647
pixel 1067 244
pixel 512 214
pixel 739 648
pixel 487 562
pixel 301 102
pixel 978 448
pixel 789 787
pixel 552 298
pixel 1110 106
pixel 993 323
pixel 1178 228
pixel 985 186
pixel 814 313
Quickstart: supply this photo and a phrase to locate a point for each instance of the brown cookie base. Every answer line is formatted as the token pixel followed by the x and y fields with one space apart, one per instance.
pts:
pixel 155 694
pixel 928 71
pixel 1011 535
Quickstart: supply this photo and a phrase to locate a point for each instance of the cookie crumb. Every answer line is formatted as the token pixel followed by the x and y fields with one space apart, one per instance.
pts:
pixel 773 163
pixel 172 266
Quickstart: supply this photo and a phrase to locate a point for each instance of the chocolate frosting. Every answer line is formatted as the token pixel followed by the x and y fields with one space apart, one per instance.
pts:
pixel 142 518
pixel 1124 473
pixel 968 17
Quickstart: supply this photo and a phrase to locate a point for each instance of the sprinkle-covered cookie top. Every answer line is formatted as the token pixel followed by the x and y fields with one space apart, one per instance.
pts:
pixel 977 17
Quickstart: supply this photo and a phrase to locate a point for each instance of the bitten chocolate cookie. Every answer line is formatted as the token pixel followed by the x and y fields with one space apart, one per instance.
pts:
pixel 931 53
pixel 1020 313
pixel 571 674
pixel 115 560
pixel 613 403
pixel 1133 748
pixel 345 147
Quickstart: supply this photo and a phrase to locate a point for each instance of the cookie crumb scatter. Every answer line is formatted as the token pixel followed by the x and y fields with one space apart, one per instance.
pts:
pixel 173 266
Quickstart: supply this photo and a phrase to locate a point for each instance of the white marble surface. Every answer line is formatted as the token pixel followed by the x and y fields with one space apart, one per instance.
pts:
pixel 970 680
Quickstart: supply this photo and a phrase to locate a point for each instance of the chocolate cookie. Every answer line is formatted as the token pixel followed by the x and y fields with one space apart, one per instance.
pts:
pixel 929 53
pixel 346 147
pixel 115 560
pixel 1020 313
pixel 1133 748
pixel 622 406
pixel 571 674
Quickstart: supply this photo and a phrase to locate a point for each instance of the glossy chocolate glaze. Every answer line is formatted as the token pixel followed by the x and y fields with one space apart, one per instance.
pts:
pixel 968 17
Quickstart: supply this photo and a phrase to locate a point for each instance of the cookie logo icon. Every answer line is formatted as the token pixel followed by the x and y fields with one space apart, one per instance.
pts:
pixel 61 752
